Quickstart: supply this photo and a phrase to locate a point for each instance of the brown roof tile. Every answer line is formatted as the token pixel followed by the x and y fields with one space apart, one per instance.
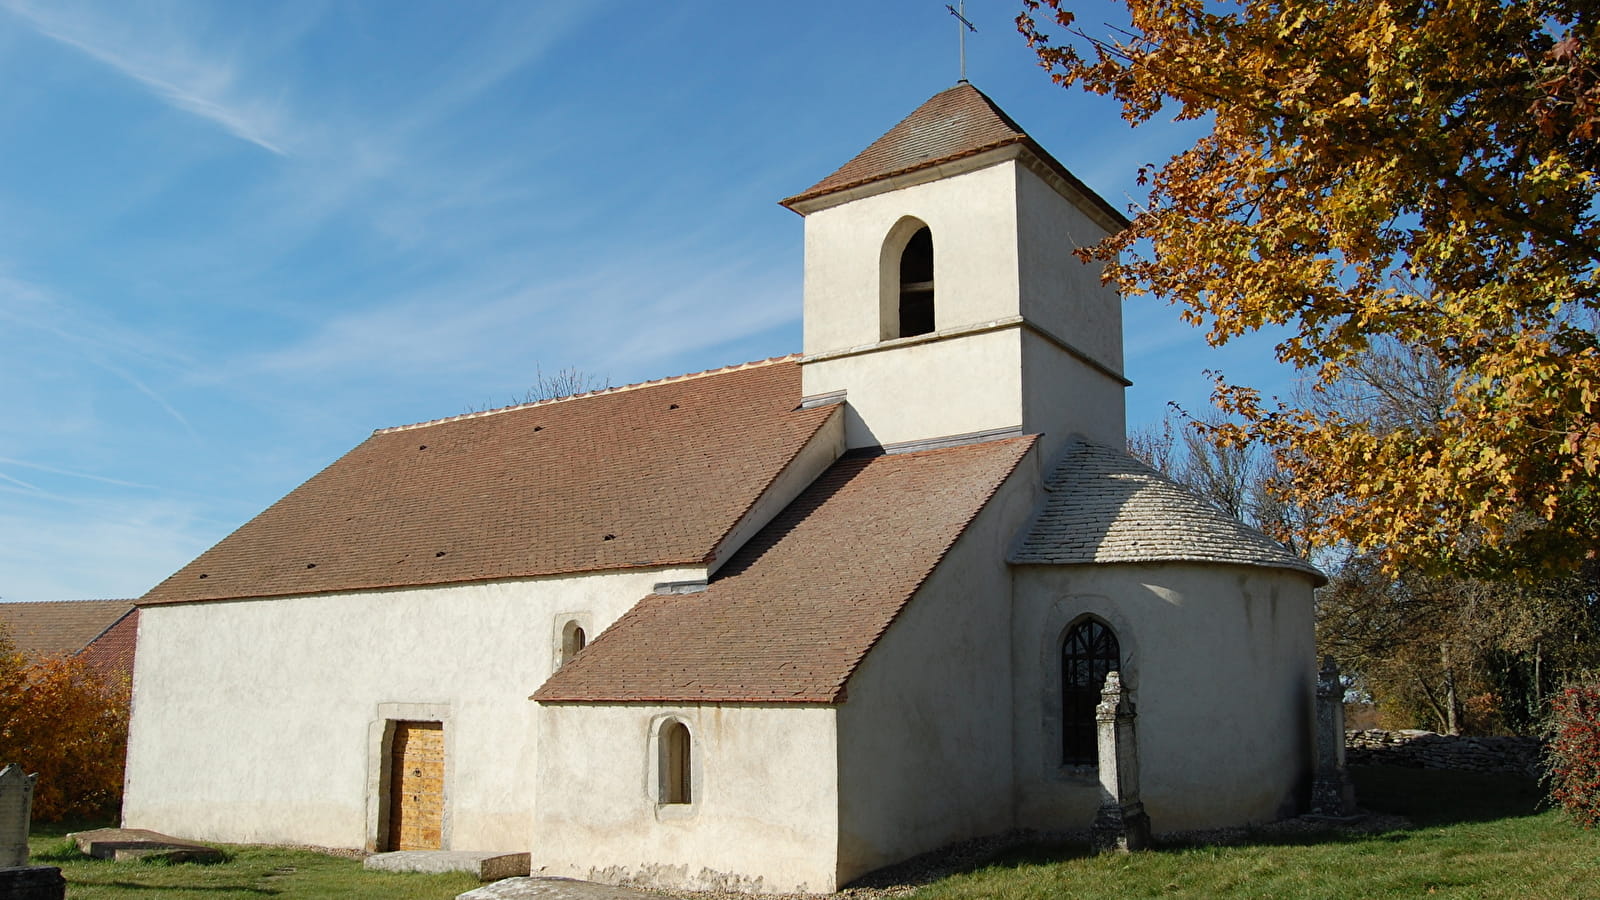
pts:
pixel 64 626
pixel 797 608
pixel 955 123
pixel 649 475
pixel 112 652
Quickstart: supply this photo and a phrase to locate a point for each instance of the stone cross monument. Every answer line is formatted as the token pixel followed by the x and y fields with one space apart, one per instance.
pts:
pixel 1332 794
pixel 1121 824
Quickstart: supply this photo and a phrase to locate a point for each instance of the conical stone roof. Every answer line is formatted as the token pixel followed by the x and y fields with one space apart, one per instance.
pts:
pixel 1104 506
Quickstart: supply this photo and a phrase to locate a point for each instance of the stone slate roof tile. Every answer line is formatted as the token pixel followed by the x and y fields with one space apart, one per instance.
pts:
pixel 797 609
pixel 643 476
pixel 1104 506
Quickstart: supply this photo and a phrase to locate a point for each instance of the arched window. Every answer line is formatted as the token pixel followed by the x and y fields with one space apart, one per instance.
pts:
pixel 676 784
pixel 916 284
pixel 572 640
pixel 1087 655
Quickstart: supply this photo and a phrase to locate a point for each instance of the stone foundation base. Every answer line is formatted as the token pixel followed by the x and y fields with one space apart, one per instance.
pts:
pixel 1120 829
pixel 32 883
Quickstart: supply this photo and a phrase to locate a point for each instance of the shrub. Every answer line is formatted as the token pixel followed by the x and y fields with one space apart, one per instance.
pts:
pixel 62 720
pixel 1573 752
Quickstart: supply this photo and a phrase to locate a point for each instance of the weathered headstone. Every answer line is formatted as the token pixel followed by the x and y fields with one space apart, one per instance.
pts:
pixel 1332 794
pixel 16 806
pixel 18 880
pixel 1121 823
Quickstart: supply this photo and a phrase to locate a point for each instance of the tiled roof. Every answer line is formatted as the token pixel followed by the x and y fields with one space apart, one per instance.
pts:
pixel 650 475
pixel 63 626
pixel 955 123
pixel 112 652
pixel 799 606
pixel 1104 506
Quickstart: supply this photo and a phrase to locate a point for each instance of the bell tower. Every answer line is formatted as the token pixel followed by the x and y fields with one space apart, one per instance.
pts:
pixel 942 297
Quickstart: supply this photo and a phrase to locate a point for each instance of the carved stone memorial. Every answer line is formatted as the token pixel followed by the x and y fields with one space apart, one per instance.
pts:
pixel 18 880
pixel 1332 794
pixel 1121 824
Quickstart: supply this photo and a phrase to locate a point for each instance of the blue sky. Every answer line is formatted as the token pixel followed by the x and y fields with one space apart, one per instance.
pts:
pixel 237 237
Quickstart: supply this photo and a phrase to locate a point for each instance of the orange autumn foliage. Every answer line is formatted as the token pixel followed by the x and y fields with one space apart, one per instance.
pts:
pixel 1422 175
pixel 61 719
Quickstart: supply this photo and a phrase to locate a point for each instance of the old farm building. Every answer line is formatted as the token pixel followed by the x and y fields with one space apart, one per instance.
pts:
pixel 769 626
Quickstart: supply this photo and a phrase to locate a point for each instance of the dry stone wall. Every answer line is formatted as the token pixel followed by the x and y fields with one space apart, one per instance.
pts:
pixel 1427 750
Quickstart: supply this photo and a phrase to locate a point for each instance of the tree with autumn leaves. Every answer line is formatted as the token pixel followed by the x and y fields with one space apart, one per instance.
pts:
pixel 63 720
pixel 1406 192
pixel 1417 174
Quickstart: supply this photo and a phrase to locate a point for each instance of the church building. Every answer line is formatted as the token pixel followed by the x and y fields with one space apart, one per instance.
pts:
pixel 767 627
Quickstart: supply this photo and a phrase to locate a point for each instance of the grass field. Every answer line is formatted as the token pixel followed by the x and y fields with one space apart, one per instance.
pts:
pixel 1472 837
pixel 248 873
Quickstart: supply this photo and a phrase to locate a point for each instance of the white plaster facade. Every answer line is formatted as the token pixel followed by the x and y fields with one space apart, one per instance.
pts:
pixel 1219 660
pixel 253 719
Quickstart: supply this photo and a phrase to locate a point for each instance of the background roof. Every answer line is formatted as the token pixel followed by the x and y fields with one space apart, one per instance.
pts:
pixel 65 626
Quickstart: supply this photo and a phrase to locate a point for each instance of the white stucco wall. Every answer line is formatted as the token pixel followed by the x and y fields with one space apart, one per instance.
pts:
pixel 1060 292
pixel 1065 396
pixel 252 720
pixel 925 734
pixel 1221 659
pixel 973 219
pixel 929 388
pixel 765 801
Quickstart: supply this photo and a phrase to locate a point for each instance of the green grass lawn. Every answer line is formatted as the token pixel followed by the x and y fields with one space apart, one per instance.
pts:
pixel 1472 836
pixel 249 873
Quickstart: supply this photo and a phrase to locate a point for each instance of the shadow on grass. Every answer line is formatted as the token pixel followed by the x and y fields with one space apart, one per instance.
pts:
pixel 1441 797
pixel 1423 797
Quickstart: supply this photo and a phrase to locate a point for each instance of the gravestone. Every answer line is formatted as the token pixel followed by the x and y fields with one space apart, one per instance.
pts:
pixel 1121 824
pixel 1332 794
pixel 16 806
pixel 18 880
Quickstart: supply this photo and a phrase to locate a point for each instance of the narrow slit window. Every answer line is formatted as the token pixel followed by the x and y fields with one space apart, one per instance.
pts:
pixel 676 784
pixel 572 640
pixel 916 284
pixel 1088 654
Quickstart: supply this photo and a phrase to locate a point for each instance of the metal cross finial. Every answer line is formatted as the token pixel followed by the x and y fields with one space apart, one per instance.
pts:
pixel 961 16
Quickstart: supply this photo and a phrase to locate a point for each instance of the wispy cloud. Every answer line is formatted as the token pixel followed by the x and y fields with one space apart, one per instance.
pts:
pixel 118 549
pixel 32 310
pixel 164 64
pixel 53 470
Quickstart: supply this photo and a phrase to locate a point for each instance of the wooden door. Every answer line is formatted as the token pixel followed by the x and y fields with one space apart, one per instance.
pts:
pixel 416 786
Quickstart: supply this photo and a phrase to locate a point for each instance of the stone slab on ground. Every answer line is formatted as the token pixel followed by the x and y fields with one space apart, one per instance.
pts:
pixel 32 883
pixel 488 865
pixel 141 843
pixel 555 889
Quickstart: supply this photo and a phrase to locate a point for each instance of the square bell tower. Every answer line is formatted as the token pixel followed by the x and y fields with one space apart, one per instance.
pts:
pixel 943 300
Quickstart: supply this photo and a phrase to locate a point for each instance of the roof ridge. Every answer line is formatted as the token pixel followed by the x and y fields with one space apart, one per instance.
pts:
pixel 62 602
pixel 670 379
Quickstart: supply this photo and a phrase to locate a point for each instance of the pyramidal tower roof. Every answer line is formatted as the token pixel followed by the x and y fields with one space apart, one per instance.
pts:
pixel 953 124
